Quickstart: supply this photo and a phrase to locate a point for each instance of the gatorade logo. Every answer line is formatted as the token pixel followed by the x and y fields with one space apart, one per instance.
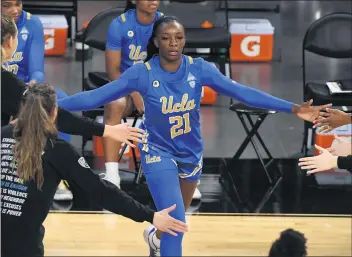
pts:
pixel 250 46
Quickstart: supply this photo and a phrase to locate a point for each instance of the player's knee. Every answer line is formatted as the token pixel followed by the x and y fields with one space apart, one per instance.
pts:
pixel 113 111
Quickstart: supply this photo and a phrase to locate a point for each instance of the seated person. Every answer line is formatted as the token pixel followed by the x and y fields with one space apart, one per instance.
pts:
pixel 28 60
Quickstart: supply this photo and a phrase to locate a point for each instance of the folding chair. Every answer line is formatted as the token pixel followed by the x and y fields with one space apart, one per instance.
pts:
pixel 95 36
pixel 330 37
pixel 244 113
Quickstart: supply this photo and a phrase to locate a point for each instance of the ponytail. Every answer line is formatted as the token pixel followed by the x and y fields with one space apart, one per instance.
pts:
pixel 151 47
pixel 129 5
pixel 34 125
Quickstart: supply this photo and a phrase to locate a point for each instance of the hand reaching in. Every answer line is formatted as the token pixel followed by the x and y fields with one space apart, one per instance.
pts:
pixel 331 119
pixel 342 148
pixel 324 161
pixel 308 112
pixel 124 133
pixel 165 223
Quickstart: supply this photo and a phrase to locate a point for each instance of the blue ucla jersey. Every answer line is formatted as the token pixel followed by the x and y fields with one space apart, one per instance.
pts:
pixel 172 102
pixel 28 60
pixel 127 35
pixel 172 109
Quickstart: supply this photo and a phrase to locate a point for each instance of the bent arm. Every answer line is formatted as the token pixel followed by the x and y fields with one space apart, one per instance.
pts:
pixel 12 89
pixel 87 100
pixel 76 171
pixel 36 54
pixel 213 78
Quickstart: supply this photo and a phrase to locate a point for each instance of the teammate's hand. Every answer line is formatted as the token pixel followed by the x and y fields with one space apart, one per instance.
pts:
pixel 138 101
pixel 13 122
pixel 342 148
pixel 331 119
pixel 165 223
pixel 124 133
pixel 324 161
pixel 308 112
pixel 31 83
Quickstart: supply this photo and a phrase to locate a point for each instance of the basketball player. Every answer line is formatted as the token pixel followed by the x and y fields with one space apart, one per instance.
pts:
pixel 13 89
pixel 126 45
pixel 34 161
pixel 28 60
pixel 171 86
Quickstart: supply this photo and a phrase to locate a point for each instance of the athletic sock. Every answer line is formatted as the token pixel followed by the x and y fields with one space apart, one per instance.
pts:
pixel 112 173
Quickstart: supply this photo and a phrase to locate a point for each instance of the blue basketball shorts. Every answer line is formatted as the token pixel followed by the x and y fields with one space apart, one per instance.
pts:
pixel 156 160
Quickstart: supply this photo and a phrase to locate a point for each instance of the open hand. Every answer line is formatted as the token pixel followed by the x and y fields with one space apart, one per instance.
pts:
pixel 331 119
pixel 165 223
pixel 308 112
pixel 324 161
pixel 124 133
pixel 342 148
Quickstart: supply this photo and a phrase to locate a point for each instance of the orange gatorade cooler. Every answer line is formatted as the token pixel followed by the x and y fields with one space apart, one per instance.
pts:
pixel 55 34
pixel 252 40
pixel 98 149
pixel 326 140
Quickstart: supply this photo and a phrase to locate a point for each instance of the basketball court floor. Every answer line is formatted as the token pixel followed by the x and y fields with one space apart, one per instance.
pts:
pixel 221 225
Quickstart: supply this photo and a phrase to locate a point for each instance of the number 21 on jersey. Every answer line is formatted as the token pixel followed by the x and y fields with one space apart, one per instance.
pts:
pixel 181 125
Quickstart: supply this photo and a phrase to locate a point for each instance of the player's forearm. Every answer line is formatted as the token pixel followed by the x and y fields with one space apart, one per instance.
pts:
pixel 247 95
pixel 73 124
pixel 92 99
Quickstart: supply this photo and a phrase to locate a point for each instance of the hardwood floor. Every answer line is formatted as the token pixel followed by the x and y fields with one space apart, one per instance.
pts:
pixel 210 235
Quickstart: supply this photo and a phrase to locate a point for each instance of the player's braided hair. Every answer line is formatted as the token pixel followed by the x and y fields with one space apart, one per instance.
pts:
pixel 129 5
pixel 151 47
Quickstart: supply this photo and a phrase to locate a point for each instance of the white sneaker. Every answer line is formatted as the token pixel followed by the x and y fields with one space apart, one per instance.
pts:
pixel 150 238
pixel 63 193
pixel 197 195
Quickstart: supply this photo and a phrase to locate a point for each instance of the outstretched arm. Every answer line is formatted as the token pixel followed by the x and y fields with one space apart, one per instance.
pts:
pixel 36 54
pixel 87 100
pixel 213 78
pixel 78 174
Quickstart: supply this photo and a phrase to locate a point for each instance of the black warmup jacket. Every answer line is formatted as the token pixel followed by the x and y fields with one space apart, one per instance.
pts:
pixel 24 207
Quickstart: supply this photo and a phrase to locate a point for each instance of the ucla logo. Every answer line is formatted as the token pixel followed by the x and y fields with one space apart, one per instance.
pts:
pixel 168 105
pixel 156 83
pixel 152 159
pixel 17 57
pixel 136 54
